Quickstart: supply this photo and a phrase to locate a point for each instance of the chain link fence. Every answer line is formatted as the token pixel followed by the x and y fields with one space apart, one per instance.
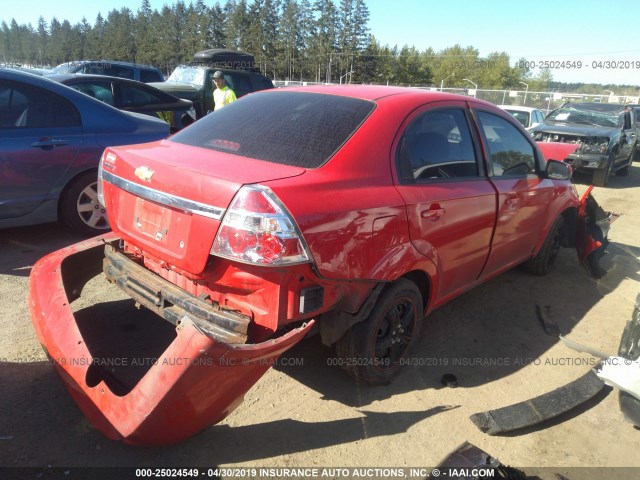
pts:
pixel 545 101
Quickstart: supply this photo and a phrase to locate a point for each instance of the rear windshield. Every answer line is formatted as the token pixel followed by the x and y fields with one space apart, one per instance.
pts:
pixel 291 128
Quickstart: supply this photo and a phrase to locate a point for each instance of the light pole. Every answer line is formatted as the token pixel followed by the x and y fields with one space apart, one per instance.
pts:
pixel 475 86
pixel 446 78
pixel 348 73
pixel 525 92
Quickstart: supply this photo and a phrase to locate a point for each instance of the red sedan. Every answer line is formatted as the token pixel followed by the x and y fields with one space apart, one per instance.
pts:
pixel 357 209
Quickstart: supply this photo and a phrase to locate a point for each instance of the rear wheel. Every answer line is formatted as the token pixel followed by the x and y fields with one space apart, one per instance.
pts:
pixel 79 206
pixel 373 350
pixel 544 261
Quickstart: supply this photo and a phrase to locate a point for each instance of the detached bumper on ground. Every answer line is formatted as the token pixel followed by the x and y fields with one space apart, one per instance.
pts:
pixel 195 382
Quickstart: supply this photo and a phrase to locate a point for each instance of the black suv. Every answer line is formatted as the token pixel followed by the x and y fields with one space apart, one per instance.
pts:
pixel 605 134
pixel 636 112
pixel 195 81
pixel 132 71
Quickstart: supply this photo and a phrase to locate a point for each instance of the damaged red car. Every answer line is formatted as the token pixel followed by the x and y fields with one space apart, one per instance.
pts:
pixel 348 211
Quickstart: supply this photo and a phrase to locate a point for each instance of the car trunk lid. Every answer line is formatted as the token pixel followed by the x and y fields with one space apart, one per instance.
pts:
pixel 169 199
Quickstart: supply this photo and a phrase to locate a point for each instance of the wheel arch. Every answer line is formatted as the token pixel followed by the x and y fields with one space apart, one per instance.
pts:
pixel 570 215
pixel 69 183
pixel 333 325
pixel 571 222
pixel 423 282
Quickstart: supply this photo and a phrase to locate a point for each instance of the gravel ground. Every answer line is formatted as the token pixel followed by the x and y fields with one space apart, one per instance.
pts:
pixel 306 412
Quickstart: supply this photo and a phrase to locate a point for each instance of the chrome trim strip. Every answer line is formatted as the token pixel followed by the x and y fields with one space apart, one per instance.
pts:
pixel 163 198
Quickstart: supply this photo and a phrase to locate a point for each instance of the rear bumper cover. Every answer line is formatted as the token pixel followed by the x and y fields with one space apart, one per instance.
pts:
pixel 173 400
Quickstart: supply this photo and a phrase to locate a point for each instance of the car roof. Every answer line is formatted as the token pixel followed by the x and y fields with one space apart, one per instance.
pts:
pixel 207 67
pixel 62 77
pixel 111 62
pixel 378 92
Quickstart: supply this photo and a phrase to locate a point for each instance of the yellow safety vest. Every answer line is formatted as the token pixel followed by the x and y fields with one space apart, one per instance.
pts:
pixel 223 96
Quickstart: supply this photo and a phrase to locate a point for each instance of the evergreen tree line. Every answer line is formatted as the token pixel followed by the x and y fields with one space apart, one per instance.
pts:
pixel 323 40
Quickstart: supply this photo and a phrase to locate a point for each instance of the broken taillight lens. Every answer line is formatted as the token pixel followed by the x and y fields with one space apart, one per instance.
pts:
pixel 258 229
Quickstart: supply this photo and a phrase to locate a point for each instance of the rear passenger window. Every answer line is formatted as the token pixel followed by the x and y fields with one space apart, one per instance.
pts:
pixel 510 154
pixel 136 97
pixel 98 90
pixel 65 114
pixel 29 107
pixel 437 145
pixel 12 104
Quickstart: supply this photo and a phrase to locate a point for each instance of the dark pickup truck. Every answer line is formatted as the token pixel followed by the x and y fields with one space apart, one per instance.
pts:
pixel 194 81
pixel 605 135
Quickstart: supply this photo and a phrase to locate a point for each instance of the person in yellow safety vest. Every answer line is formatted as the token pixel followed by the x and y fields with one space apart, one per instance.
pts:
pixel 222 95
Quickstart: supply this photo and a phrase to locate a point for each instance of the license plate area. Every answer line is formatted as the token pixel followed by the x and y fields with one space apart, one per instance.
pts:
pixel 177 237
pixel 152 220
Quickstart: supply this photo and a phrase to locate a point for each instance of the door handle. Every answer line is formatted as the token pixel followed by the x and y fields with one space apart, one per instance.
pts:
pixel 433 214
pixel 511 202
pixel 46 142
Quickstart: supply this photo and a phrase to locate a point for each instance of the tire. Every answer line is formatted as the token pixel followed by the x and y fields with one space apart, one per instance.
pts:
pixel 601 177
pixel 373 350
pixel 79 207
pixel 544 261
pixel 624 171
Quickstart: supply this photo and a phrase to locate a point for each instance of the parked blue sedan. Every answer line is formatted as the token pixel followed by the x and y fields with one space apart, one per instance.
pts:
pixel 51 140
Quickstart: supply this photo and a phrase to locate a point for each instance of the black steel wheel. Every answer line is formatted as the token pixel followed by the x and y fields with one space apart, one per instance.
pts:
pixel 374 350
pixel 544 261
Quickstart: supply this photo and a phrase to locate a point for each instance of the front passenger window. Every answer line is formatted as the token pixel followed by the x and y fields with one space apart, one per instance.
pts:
pixel 510 154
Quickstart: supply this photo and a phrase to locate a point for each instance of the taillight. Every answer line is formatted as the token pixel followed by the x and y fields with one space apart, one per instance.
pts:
pixel 107 160
pixel 100 180
pixel 258 229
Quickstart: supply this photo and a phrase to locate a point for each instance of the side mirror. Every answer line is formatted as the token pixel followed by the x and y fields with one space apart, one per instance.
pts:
pixel 556 170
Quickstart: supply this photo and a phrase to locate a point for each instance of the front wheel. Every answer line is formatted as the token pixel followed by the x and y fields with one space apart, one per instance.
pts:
pixel 624 171
pixel 544 261
pixel 374 350
pixel 601 176
pixel 79 206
